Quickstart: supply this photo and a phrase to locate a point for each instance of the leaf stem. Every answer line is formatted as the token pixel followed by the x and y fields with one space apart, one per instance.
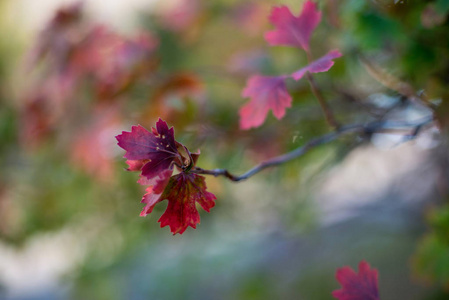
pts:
pixel 328 114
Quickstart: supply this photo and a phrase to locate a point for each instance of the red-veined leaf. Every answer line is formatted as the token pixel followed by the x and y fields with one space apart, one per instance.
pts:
pixel 154 152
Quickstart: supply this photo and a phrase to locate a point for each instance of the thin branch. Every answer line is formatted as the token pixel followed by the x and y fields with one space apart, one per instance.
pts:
pixel 368 129
pixel 392 82
pixel 387 79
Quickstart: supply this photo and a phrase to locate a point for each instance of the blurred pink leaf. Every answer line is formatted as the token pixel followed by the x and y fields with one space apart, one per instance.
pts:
pixel 91 147
pixel 265 92
pixel 113 60
pixel 250 16
pixel 181 15
pixel 291 30
pixel 44 108
pixel 361 286
pixel 58 38
pixel 322 64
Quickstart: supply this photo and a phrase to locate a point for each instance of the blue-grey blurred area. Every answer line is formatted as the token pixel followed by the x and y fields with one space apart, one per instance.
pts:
pixel 69 211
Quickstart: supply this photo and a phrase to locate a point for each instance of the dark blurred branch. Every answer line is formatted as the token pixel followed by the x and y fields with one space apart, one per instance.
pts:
pixel 408 129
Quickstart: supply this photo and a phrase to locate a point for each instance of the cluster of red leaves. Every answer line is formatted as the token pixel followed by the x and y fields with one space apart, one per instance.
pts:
pixel 270 92
pixel 112 61
pixel 156 154
pixel 73 58
pixel 74 51
pixel 357 286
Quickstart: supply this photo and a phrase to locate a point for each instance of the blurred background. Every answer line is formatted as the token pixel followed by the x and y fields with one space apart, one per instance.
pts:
pixel 75 74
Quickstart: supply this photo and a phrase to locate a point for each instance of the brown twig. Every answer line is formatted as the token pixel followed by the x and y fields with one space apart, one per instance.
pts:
pixel 367 129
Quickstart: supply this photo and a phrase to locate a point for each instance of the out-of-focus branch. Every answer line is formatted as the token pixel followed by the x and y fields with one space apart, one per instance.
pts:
pixel 392 82
pixel 386 79
pixel 408 129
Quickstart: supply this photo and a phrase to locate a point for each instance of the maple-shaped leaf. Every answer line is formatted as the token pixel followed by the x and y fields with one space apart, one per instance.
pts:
pixel 291 30
pixel 183 191
pixel 361 286
pixel 322 64
pixel 266 92
pixel 152 152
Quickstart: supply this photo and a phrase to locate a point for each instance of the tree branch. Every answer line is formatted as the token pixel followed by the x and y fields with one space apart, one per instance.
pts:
pixel 374 127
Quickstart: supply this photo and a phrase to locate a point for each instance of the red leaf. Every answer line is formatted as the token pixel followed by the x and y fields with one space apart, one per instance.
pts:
pixel 361 286
pixel 154 152
pixel 291 30
pixel 322 64
pixel 182 192
pixel 266 92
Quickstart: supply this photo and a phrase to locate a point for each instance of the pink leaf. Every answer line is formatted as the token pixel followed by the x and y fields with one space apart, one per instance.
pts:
pixel 266 92
pixel 291 30
pixel 322 64
pixel 361 286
